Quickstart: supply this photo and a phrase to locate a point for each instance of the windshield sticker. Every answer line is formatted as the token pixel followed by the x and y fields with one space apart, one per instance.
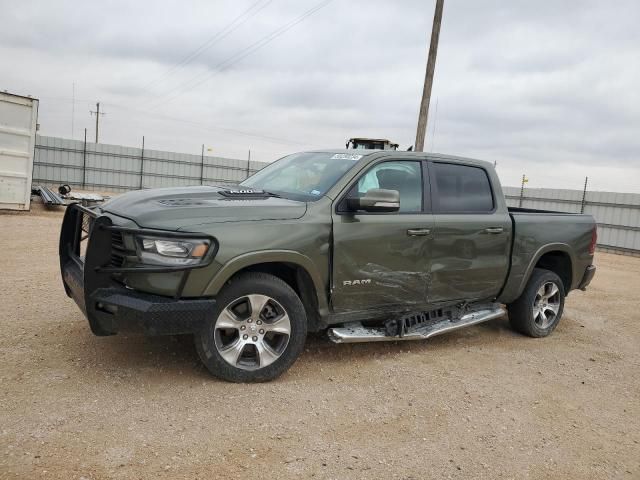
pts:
pixel 314 192
pixel 346 156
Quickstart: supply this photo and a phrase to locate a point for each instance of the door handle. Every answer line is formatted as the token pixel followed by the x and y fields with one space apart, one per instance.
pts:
pixel 494 230
pixel 418 232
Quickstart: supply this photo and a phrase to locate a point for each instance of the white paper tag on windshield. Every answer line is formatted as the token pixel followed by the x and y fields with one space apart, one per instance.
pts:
pixel 346 156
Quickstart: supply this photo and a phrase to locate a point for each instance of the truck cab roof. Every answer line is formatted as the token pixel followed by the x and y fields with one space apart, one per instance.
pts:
pixel 369 154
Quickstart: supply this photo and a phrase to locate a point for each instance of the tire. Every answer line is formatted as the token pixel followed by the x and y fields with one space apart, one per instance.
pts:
pixel 539 308
pixel 239 344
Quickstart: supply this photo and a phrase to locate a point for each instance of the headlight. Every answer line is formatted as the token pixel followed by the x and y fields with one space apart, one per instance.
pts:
pixel 162 251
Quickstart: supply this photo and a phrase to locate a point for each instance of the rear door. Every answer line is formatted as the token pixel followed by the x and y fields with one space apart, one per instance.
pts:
pixel 382 260
pixel 472 234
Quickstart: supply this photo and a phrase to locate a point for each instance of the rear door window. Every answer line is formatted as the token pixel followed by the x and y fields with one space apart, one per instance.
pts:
pixel 462 189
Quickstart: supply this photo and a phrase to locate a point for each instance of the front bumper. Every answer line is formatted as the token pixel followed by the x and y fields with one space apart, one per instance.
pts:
pixel 589 272
pixel 90 279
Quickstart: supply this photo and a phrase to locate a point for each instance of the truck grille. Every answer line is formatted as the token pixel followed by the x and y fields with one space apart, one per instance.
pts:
pixel 118 251
pixel 87 224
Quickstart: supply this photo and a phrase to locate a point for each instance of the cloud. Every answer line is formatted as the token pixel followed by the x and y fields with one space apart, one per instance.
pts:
pixel 538 87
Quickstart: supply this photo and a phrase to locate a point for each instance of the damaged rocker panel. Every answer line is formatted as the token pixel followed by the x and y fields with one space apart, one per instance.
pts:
pixel 428 326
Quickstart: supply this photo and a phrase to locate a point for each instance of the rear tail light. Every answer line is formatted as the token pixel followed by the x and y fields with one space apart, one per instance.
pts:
pixel 594 240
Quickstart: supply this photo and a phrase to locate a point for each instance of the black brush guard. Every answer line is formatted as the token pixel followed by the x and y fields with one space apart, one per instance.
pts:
pixel 109 306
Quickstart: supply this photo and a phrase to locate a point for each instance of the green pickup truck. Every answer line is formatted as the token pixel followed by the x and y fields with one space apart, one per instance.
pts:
pixel 367 246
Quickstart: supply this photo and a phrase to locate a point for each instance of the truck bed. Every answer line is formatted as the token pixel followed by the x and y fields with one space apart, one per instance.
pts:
pixel 537 232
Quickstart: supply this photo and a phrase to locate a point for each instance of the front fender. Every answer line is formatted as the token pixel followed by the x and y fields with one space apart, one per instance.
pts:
pixel 241 262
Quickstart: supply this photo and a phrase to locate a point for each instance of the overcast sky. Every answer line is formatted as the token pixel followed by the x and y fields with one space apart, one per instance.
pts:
pixel 547 88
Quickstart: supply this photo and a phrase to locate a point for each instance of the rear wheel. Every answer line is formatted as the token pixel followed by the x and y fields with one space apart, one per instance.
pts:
pixel 538 310
pixel 257 332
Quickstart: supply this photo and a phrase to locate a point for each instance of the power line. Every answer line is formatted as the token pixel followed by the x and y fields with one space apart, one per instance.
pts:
pixel 228 29
pixel 433 135
pixel 244 133
pixel 268 138
pixel 239 55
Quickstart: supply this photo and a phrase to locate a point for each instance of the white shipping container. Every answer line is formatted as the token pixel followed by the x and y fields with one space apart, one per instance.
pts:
pixel 18 119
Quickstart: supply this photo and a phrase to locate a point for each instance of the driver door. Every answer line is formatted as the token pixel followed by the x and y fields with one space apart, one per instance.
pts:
pixel 382 261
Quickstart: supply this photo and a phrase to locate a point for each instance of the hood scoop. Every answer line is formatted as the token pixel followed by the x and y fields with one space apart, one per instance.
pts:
pixel 244 193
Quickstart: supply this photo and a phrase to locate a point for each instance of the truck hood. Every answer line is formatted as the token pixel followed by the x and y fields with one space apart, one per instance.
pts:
pixel 181 207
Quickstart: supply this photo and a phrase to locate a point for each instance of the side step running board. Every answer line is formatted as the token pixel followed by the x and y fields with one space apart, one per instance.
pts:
pixel 357 333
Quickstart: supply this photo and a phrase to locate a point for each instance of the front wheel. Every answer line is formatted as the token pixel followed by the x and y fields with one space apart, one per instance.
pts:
pixel 257 332
pixel 538 310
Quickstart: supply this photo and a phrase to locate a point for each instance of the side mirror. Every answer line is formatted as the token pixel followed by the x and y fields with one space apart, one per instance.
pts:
pixel 376 200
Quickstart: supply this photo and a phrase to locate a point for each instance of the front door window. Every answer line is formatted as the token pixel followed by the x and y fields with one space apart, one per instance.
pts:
pixel 405 177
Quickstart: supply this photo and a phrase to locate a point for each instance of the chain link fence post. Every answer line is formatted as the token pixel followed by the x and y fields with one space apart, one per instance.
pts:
pixel 84 160
pixel 202 166
pixel 142 164
pixel 524 180
pixel 584 195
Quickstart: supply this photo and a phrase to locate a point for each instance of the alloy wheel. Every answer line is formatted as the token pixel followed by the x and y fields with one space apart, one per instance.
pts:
pixel 252 332
pixel 546 304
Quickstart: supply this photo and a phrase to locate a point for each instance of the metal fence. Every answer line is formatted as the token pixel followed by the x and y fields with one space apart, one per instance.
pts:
pixel 116 168
pixel 617 214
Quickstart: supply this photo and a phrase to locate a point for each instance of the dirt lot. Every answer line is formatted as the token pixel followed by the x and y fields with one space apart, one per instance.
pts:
pixel 480 403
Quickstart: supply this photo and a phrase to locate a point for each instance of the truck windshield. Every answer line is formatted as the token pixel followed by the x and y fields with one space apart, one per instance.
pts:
pixel 303 176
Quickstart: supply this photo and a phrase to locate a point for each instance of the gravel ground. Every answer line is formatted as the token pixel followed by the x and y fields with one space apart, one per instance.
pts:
pixel 483 402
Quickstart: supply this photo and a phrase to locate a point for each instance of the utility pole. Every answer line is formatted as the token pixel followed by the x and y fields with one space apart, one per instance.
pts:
pixel 428 78
pixel 97 113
